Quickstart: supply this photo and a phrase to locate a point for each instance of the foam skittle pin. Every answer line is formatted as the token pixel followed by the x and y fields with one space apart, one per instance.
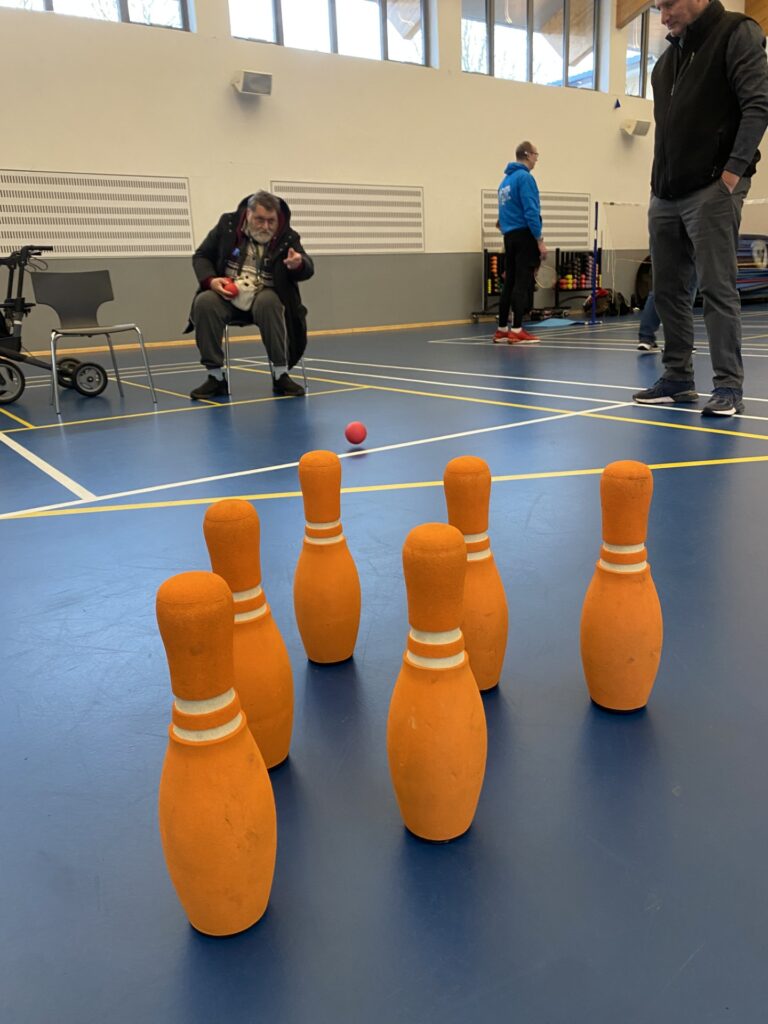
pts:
pixel 217 811
pixel 621 623
pixel 326 587
pixel 263 676
pixel 436 732
pixel 467 482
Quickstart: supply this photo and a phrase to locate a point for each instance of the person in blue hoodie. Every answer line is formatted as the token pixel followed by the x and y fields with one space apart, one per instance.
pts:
pixel 524 248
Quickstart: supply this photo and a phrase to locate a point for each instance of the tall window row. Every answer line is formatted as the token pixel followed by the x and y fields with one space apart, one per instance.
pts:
pixel 549 42
pixel 163 13
pixel 377 29
pixel 646 41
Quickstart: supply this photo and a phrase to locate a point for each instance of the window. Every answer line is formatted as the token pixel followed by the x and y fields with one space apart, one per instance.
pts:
pixel 376 29
pixel 162 13
pixel 549 42
pixel 646 41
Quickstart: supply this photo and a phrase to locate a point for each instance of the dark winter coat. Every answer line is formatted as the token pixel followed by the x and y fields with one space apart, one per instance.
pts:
pixel 225 243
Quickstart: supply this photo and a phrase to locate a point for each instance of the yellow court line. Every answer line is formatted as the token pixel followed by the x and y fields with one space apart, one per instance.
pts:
pixel 677 426
pixel 565 412
pixel 164 391
pixel 18 419
pixel 369 488
pixel 188 408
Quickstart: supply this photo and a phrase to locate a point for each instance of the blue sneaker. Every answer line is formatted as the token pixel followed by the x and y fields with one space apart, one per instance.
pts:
pixel 665 392
pixel 724 402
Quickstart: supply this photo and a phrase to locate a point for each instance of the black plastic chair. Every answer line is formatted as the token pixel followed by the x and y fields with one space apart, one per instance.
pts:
pixel 76 298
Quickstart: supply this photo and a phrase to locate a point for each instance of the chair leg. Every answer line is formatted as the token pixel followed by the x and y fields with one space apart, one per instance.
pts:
pixel 304 374
pixel 54 374
pixel 114 366
pixel 140 336
pixel 225 342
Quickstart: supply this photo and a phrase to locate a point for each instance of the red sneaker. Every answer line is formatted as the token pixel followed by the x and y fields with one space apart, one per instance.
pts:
pixel 502 334
pixel 524 338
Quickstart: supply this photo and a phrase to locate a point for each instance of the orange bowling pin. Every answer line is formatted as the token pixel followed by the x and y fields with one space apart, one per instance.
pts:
pixel 436 733
pixel 326 587
pixel 263 677
pixel 217 812
pixel 621 624
pixel 467 482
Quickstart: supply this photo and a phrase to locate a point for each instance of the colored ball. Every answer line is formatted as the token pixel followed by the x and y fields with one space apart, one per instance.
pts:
pixel 231 289
pixel 355 432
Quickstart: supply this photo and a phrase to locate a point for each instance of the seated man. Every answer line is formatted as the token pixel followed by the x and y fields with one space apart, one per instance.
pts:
pixel 256 246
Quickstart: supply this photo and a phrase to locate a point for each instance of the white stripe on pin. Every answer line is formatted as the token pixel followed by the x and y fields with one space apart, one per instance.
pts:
pixel 247 595
pixel 420 662
pixel 478 556
pixel 250 616
pixel 616 567
pixel 623 549
pixel 324 526
pixel 473 538
pixel 203 707
pixel 325 540
pixel 451 636
pixel 203 735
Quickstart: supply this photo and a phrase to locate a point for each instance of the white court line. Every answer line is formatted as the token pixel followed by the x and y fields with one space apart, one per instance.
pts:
pixel 47 468
pixel 342 455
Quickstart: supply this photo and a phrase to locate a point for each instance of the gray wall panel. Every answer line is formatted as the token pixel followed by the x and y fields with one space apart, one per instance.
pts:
pixel 347 291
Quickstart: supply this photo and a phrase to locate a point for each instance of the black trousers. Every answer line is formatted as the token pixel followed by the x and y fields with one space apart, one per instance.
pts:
pixel 521 258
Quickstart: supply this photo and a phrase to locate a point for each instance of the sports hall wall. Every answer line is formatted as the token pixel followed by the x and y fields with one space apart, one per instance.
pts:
pixel 91 96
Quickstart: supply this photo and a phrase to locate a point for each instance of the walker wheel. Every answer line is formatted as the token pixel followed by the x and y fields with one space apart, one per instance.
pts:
pixel 12 382
pixel 65 369
pixel 89 379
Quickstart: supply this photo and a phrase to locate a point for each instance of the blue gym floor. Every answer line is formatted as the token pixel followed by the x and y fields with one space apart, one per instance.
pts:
pixel 615 872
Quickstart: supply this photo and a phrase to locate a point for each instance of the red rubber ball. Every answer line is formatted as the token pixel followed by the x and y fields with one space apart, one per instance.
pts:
pixel 355 432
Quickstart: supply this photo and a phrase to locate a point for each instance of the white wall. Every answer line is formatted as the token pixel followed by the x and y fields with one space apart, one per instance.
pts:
pixel 110 98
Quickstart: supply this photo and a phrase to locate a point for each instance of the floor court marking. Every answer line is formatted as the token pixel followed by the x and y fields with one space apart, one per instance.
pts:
pixel 374 488
pixel 197 407
pixel 21 513
pixel 55 474
pixel 13 416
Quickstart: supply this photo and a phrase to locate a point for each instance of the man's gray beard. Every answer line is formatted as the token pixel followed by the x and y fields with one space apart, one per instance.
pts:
pixel 262 237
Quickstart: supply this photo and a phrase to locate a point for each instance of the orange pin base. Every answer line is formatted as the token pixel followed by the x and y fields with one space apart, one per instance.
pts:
pixel 620 673
pixel 264 681
pixel 327 604
pixel 219 830
pixel 485 622
pixel 437 745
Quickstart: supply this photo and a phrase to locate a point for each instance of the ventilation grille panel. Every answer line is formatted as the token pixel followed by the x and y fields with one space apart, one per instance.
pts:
pixel 339 219
pixel 95 215
pixel 565 215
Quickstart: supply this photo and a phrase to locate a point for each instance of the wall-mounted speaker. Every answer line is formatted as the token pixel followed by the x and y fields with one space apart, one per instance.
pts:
pixel 635 127
pixel 252 83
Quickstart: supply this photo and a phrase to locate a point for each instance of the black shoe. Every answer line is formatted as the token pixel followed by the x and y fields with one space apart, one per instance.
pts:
pixel 665 392
pixel 212 387
pixel 285 386
pixel 724 402
pixel 647 345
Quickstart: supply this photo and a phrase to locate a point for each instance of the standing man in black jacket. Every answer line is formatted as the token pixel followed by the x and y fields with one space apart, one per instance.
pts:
pixel 710 103
pixel 256 248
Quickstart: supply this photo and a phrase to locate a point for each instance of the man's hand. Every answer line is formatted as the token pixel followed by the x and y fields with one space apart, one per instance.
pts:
pixel 293 260
pixel 217 284
pixel 542 249
pixel 730 180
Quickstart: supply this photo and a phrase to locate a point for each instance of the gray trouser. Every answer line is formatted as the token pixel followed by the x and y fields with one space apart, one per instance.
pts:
pixel 210 313
pixel 699 233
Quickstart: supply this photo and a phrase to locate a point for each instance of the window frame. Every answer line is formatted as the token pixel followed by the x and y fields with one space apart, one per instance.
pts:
pixel 333 26
pixel 125 17
pixel 490 22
